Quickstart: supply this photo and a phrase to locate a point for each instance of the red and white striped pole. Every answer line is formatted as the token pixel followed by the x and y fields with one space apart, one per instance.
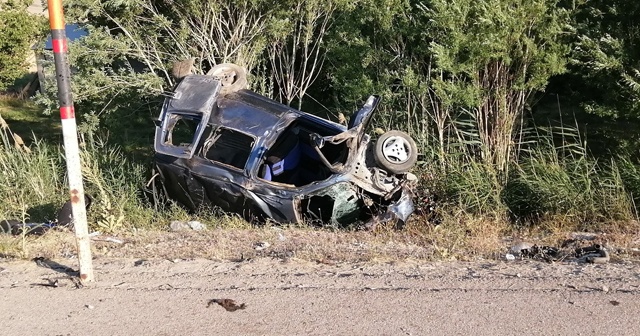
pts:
pixel 70 136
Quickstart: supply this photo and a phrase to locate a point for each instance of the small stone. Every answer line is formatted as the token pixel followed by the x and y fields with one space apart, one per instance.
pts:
pixel 605 289
pixel 518 275
pixel 179 226
pixel 261 245
pixel 196 225
pixel 510 257
pixel 89 306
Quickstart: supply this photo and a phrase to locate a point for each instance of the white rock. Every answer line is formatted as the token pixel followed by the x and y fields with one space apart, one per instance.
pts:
pixel 196 226
pixel 510 256
pixel 179 226
pixel 261 246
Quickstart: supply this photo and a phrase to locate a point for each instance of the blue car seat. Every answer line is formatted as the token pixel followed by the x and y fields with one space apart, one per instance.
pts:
pixel 281 164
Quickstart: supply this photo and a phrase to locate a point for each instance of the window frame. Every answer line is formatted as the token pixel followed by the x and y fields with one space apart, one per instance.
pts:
pixel 214 129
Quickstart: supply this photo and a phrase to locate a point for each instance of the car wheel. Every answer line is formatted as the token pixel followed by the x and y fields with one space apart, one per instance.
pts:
pixel 396 152
pixel 232 77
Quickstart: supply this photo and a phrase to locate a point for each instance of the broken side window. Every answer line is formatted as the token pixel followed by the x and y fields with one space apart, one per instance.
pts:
pixel 181 130
pixel 228 147
pixel 180 133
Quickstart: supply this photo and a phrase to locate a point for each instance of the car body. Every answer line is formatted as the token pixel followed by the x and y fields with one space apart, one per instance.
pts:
pixel 245 153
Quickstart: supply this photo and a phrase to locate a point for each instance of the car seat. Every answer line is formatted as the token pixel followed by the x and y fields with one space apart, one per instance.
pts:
pixel 281 164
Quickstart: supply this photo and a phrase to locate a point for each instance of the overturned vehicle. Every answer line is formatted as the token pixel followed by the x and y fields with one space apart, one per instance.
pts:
pixel 218 144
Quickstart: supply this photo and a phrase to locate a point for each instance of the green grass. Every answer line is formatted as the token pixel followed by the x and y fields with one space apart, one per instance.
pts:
pixel 26 119
pixel 553 185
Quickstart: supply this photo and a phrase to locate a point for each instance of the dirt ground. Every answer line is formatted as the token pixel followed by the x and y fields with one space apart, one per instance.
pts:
pixel 296 297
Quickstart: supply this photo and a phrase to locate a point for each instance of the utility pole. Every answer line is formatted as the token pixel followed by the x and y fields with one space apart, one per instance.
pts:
pixel 70 136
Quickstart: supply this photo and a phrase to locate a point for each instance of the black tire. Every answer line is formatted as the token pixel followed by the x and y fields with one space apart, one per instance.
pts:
pixel 396 152
pixel 231 76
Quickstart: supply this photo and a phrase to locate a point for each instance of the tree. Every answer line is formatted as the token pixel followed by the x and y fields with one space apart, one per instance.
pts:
pixel 298 49
pixel 123 66
pixel 18 30
pixel 489 57
pixel 467 68
pixel 604 75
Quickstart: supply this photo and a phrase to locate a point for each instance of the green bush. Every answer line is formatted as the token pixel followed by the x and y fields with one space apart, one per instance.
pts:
pixel 18 30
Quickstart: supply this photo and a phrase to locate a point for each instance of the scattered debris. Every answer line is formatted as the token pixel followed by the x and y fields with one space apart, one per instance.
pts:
pixel 596 254
pixel 64 219
pixel 141 262
pixel 228 304
pixel 517 248
pixel 54 283
pixel 614 303
pixel 259 246
pixel 76 282
pixel 48 263
pixel 546 253
pixel 96 236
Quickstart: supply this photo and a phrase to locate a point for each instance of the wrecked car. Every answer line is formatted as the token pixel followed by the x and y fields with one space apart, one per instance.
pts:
pixel 219 144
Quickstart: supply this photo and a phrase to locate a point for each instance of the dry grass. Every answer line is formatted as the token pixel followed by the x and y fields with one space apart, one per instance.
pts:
pixel 467 239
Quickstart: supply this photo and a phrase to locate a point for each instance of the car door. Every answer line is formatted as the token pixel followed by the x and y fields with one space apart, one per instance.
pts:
pixel 362 117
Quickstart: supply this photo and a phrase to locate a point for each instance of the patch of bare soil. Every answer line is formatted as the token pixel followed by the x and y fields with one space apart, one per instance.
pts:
pixel 297 281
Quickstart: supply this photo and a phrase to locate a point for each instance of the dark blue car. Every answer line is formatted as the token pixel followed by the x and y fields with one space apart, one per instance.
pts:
pixel 218 144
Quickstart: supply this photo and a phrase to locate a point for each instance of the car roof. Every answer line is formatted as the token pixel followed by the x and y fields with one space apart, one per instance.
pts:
pixel 243 110
pixel 248 112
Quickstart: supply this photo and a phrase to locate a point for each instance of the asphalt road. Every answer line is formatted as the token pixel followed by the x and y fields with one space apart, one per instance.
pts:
pixel 162 297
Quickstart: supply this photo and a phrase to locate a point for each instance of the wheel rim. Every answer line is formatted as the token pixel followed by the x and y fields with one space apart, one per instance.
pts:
pixel 396 150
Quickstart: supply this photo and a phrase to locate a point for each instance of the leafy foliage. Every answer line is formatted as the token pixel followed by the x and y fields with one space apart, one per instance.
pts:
pixel 605 61
pixel 18 30
pixel 459 75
